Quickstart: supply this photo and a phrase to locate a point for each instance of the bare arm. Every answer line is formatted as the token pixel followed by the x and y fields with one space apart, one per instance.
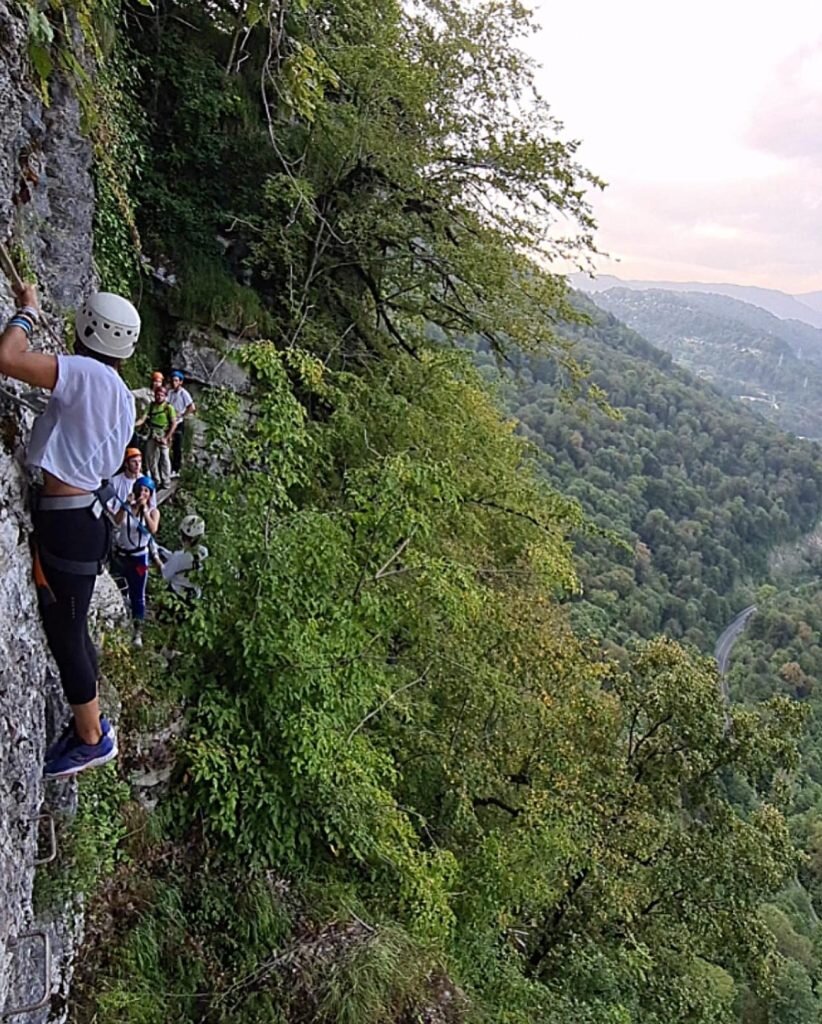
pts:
pixel 172 427
pixel 17 360
pixel 189 410
pixel 153 519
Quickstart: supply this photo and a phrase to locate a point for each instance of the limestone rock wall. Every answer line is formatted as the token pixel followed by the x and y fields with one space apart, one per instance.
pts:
pixel 208 357
pixel 46 204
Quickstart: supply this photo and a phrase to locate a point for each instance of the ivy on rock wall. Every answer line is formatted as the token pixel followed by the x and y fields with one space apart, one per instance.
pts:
pixel 79 41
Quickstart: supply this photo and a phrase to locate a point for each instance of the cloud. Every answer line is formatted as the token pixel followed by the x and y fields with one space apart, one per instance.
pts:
pixel 788 121
pixel 713 230
pixel 710 134
pixel 764 231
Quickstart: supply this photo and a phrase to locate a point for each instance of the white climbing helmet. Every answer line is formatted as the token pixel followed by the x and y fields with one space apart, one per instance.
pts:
pixel 108 324
pixel 192 527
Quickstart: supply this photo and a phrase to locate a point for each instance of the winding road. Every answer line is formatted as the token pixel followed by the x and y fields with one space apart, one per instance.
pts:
pixel 725 643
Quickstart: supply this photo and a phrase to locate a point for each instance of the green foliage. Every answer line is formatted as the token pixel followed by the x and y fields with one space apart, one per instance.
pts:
pixel 103 76
pixel 376 978
pixel 116 125
pixel 139 998
pixel 156 332
pixel 22 261
pixel 89 846
pixel 194 189
pixel 384 691
pixel 209 295
pixel 425 480
pixel 385 698
pixel 118 157
pixel 344 160
pixel 779 653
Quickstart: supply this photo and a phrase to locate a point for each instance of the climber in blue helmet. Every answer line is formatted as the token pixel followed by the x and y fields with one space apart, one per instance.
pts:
pixel 183 404
pixel 77 443
pixel 135 548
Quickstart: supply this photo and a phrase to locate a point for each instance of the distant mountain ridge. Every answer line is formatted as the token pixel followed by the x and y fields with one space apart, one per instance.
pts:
pixel 772 365
pixel 812 299
pixel 807 308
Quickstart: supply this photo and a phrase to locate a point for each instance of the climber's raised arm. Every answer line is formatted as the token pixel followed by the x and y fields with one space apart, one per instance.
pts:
pixel 16 358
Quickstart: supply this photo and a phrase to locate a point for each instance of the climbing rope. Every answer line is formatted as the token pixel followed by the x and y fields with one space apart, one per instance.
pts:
pixel 9 268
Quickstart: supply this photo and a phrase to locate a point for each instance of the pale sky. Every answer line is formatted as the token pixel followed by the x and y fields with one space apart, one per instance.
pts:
pixel 705 119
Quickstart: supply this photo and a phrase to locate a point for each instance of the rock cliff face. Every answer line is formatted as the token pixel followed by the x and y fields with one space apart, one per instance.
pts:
pixel 46 206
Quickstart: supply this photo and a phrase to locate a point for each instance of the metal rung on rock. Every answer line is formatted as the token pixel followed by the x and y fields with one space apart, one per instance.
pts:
pixel 31 1007
pixel 52 854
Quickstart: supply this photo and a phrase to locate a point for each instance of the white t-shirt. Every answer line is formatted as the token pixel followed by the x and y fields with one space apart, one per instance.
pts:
pixel 81 436
pixel 181 562
pixel 179 400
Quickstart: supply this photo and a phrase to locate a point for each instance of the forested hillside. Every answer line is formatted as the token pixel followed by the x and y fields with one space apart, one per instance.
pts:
pixel 773 365
pixel 695 487
pixel 780 653
pixel 409 783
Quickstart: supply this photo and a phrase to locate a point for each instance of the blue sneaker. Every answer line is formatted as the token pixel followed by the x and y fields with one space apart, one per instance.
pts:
pixel 61 744
pixel 78 756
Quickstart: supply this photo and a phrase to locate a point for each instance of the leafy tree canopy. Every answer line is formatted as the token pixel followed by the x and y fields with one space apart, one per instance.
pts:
pixel 385 698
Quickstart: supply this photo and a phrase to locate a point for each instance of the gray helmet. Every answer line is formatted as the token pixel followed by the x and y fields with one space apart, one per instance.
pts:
pixel 108 324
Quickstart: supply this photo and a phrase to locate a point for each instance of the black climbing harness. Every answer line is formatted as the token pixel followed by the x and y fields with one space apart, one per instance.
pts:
pixel 62 503
pixel 97 504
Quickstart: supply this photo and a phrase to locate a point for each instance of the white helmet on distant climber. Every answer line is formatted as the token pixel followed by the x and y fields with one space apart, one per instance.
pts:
pixel 108 324
pixel 192 527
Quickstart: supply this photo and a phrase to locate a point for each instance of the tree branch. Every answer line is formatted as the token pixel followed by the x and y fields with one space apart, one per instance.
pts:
pixel 544 947
pixel 489 503
pixel 655 728
pixel 387 701
pixel 373 288
pixel 492 801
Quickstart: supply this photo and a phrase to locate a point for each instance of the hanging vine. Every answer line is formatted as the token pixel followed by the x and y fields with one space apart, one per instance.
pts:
pixel 78 39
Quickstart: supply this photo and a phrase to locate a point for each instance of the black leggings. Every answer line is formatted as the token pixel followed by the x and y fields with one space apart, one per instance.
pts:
pixel 76 535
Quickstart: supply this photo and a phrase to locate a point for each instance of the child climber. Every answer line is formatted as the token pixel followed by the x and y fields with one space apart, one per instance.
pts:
pixel 123 482
pixel 178 565
pixel 77 443
pixel 135 548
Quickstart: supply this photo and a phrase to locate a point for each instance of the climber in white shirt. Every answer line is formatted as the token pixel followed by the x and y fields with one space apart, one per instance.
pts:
pixel 123 482
pixel 178 565
pixel 183 404
pixel 77 443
